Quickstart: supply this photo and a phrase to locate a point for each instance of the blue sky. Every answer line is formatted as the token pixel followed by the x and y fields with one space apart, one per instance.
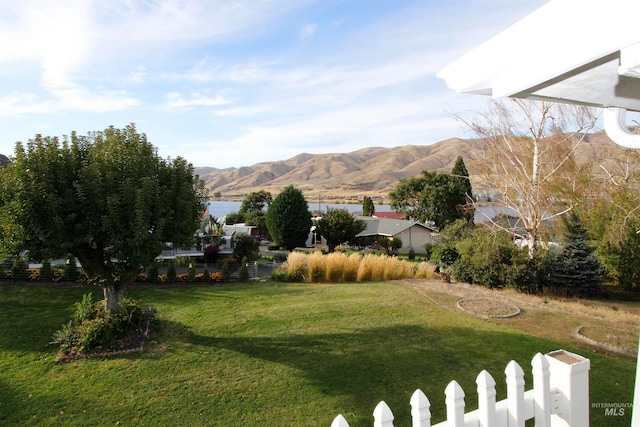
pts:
pixel 227 83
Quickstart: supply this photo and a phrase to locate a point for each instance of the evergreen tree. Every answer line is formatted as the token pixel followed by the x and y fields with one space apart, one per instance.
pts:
pixel 226 274
pixel 576 269
pixel 368 208
pixel 244 270
pixel 288 219
pixel 460 171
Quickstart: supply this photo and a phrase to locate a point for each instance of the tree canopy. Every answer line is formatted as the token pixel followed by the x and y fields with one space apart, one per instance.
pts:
pixel 432 196
pixel 368 208
pixel 106 198
pixel 339 226
pixel 288 218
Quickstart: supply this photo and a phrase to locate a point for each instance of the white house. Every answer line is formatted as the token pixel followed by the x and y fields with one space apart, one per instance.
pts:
pixel 412 233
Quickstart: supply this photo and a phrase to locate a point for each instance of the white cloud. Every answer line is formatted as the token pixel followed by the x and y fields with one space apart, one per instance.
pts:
pixel 178 100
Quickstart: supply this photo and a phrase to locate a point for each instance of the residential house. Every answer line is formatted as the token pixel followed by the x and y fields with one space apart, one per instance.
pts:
pixel 412 233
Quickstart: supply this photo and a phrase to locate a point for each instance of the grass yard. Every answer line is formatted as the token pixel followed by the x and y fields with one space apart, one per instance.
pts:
pixel 267 355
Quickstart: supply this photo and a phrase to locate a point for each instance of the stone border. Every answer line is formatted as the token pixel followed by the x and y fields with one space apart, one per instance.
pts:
pixel 489 316
pixel 578 334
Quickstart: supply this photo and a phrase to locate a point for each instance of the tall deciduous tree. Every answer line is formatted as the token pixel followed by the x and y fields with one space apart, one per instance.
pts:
pixel 529 159
pixel 433 196
pixel 288 218
pixel 106 198
pixel 339 226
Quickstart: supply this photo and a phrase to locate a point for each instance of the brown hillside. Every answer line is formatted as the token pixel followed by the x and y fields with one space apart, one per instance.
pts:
pixel 373 171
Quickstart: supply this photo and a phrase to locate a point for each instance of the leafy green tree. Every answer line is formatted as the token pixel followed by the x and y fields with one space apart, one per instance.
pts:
pixel 339 226
pixel 368 208
pixel 106 198
pixel 431 197
pixel 245 246
pixel 234 218
pixel 288 218
pixel 461 174
pixel 576 269
pixel 256 202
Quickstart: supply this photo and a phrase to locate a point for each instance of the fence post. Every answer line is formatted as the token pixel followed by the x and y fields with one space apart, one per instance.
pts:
pixel 635 412
pixel 339 421
pixel 541 391
pixel 515 394
pixel 455 404
pixel 420 409
pixel 486 399
pixel 382 416
pixel 570 377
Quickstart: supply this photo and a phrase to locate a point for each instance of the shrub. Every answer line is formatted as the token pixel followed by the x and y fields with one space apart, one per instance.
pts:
pixel 244 270
pixel 19 269
pixel 412 254
pixel 70 270
pixel 205 275
pixel 226 275
pixel 171 272
pixel 191 273
pixel 92 329
pixel 46 272
pixel 216 277
pixel 211 254
pixel 152 272
pixel 280 275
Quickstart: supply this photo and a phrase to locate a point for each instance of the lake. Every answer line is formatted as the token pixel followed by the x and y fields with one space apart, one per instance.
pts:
pixel 220 209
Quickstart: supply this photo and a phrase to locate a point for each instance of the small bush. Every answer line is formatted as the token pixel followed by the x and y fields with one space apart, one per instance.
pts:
pixel 226 275
pixel 70 270
pixel 244 270
pixel 191 273
pixel 171 272
pixel 46 272
pixel 280 275
pixel 412 254
pixel 152 272
pixel 19 269
pixel 93 329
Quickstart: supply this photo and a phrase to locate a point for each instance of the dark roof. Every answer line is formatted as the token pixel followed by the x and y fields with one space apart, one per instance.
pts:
pixel 388 226
pixel 4 161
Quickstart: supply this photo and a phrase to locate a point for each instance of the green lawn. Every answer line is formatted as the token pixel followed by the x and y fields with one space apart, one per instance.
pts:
pixel 266 355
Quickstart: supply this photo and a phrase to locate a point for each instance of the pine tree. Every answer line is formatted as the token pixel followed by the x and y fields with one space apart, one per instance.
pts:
pixel 368 208
pixel 576 269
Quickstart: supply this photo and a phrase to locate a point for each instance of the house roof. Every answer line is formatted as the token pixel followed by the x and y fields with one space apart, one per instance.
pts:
pixel 568 51
pixel 388 226
pixel 395 215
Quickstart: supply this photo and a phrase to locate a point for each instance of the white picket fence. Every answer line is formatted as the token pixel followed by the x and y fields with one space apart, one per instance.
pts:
pixel 559 398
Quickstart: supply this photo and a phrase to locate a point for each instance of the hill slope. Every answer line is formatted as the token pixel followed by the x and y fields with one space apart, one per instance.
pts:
pixel 373 171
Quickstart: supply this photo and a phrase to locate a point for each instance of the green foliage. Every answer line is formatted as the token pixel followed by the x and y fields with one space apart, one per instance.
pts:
pixel 493 260
pixel 390 244
pixel 92 329
pixel 46 272
pixel 152 272
pixel 107 198
pixel 339 226
pixel 171 272
pixel 255 202
pixel 444 255
pixel 368 208
pixel 244 270
pixel 191 273
pixel 226 274
pixel 288 219
pixel 460 172
pixel 19 269
pixel 245 246
pixel 412 254
pixel 576 269
pixel 433 197
pixel 70 270
pixel 234 218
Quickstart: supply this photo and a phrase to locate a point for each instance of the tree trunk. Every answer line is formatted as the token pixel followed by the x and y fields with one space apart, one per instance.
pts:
pixel 113 293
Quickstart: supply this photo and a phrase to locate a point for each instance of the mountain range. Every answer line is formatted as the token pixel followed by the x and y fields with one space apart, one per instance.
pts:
pixel 372 171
